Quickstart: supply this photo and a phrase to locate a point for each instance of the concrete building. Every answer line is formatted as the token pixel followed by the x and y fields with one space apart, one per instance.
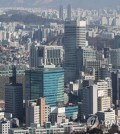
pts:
pixel 75 36
pixel 37 112
pixel 107 35
pixel 104 103
pixel 90 100
pixel 46 81
pixel 4 126
pixel 108 117
pixel 93 65
pixel 57 115
pixel 102 88
pixel 45 55
pixel 14 97
pixel 18 131
pixel 104 20
pixel 85 54
pixel 63 128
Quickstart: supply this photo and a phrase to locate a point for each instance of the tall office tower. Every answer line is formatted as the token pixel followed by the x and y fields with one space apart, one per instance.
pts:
pixel 69 12
pixel 37 112
pixel 45 55
pixel 61 12
pixel 85 54
pixel 116 87
pixel 115 58
pixel 47 82
pixel 14 97
pixel 75 36
pixel 90 100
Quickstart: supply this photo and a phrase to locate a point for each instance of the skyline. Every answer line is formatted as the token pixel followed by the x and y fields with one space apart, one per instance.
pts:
pixel 56 3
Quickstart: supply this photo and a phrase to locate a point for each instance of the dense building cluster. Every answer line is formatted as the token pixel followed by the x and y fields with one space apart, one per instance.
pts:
pixel 61 77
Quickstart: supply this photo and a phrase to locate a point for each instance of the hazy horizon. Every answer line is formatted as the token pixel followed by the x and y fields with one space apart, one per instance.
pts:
pixel 56 3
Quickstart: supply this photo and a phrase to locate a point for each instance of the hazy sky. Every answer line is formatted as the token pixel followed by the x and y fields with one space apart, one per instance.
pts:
pixel 56 3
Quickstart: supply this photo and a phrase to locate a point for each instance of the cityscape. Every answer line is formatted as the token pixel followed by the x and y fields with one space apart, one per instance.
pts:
pixel 59 67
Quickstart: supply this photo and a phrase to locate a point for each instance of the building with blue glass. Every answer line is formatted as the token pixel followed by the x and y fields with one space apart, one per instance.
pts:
pixel 70 111
pixel 45 82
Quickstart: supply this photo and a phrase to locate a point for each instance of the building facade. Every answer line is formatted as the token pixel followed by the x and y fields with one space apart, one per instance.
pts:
pixel 75 36
pixel 90 100
pixel 37 112
pixel 45 82
pixel 14 97
pixel 45 55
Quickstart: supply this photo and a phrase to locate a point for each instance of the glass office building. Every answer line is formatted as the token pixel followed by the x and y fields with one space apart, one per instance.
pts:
pixel 70 110
pixel 45 82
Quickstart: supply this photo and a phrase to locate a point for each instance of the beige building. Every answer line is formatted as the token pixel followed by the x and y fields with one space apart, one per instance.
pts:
pixel 104 103
pixel 37 112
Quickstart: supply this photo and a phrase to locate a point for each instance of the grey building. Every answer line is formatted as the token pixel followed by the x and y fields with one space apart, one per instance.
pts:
pixel 14 97
pixel 90 95
pixel 116 87
pixel 85 54
pixel 75 36
pixel 61 12
pixel 45 55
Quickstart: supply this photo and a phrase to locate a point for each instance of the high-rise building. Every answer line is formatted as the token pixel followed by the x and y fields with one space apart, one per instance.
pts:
pixel 115 58
pixel 37 112
pixel 45 55
pixel 75 36
pixel 90 100
pixel 69 12
pixel 85 54
pixel 46 81
pixel 61 12
pixel 14 97
pixel 116 87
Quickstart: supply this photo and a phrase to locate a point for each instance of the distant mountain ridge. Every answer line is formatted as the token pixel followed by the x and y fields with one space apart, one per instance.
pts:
pixel 56 3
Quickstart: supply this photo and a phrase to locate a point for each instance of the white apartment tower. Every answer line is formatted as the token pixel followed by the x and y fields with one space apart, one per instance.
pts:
pixel 74 36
